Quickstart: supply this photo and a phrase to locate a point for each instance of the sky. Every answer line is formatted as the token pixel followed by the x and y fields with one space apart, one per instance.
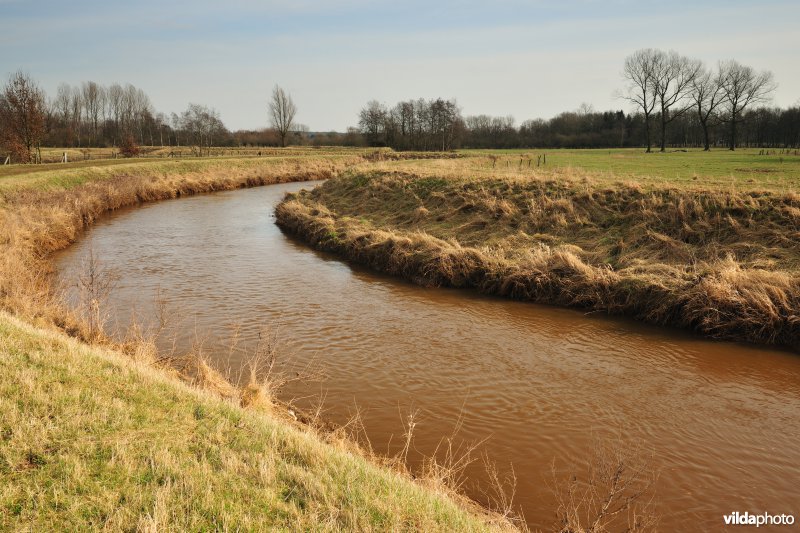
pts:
pixel 529 59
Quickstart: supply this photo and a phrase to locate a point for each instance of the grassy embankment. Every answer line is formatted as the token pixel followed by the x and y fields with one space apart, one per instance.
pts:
pixel 718 253
pixel 90 440
pixel 102 436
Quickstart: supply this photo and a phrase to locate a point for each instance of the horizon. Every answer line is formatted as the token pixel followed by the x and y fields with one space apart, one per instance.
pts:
pixel 527 61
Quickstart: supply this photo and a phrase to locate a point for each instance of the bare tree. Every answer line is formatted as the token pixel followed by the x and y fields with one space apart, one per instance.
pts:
pixel 202 124
pixel 672 77
pixel 638 72
pixel 93 96
pixel 115 94
pixel 22 116
pixel 707 96
pixel 743 86
pixel 372 122
pixel 76 105
pixel 281 113
pixel 61 106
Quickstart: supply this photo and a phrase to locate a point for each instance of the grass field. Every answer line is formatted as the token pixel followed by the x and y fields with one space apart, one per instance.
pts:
pixel 717 166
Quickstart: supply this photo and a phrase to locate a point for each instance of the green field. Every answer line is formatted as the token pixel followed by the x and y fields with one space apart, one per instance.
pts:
pixel 744 168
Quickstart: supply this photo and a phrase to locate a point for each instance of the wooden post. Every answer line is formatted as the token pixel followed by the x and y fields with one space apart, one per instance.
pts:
pixel 8 160
pixel 544 159
pixel 64 159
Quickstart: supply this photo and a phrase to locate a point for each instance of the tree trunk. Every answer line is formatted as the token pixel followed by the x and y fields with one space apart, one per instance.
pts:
pixel 663 130
pixel 706 143
pixel 647 133
pixel 733 132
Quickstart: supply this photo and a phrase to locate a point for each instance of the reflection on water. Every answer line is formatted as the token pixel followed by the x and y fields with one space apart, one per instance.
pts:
pixel 542 384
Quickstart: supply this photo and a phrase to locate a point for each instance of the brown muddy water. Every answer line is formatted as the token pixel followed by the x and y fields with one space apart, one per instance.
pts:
pixel 541 386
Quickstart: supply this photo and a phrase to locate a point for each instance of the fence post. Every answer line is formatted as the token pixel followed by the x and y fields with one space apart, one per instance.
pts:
pixel 8 160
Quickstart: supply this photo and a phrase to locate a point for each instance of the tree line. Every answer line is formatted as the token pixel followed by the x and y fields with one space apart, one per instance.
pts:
pixel 413 124
pixel 93 115
pixel 693 106
pixel 669 85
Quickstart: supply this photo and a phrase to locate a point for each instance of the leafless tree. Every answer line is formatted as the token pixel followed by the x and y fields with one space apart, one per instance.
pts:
pixel 707 97
pixel 372 122
pixel 638 72
pixel 672 77
pixel 76 111
pixel 22 116
pixel 281 113
pixel 743 86
pixel 93 96
pixel 202 124
pixel 115 94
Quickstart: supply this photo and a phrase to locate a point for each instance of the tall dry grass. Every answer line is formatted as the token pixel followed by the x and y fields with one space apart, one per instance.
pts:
pixel 720 262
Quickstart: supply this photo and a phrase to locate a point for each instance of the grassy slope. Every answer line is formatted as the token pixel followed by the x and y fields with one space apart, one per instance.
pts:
pixel 90 440
pixel 702 255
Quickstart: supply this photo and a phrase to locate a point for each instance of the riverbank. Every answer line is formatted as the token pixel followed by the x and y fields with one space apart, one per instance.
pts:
pixel 89 437
pixel 719 260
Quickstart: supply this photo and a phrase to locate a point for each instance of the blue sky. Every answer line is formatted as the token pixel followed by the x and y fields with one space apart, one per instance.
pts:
pixel 526 59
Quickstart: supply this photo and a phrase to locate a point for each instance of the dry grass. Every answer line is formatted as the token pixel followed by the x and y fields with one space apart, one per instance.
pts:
pixel 721 262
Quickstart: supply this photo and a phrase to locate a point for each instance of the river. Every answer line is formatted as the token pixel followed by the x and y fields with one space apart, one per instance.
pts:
pixel 534 386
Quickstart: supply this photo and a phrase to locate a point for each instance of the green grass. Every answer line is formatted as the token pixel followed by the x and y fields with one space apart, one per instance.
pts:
pixel 719 167
pixel 89 440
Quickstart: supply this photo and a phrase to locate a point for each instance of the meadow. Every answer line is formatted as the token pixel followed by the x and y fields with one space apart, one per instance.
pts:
pixel 748 167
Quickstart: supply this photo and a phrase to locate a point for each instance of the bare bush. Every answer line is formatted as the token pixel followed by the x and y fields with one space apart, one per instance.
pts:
pixel 617 493
pixel 95 284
